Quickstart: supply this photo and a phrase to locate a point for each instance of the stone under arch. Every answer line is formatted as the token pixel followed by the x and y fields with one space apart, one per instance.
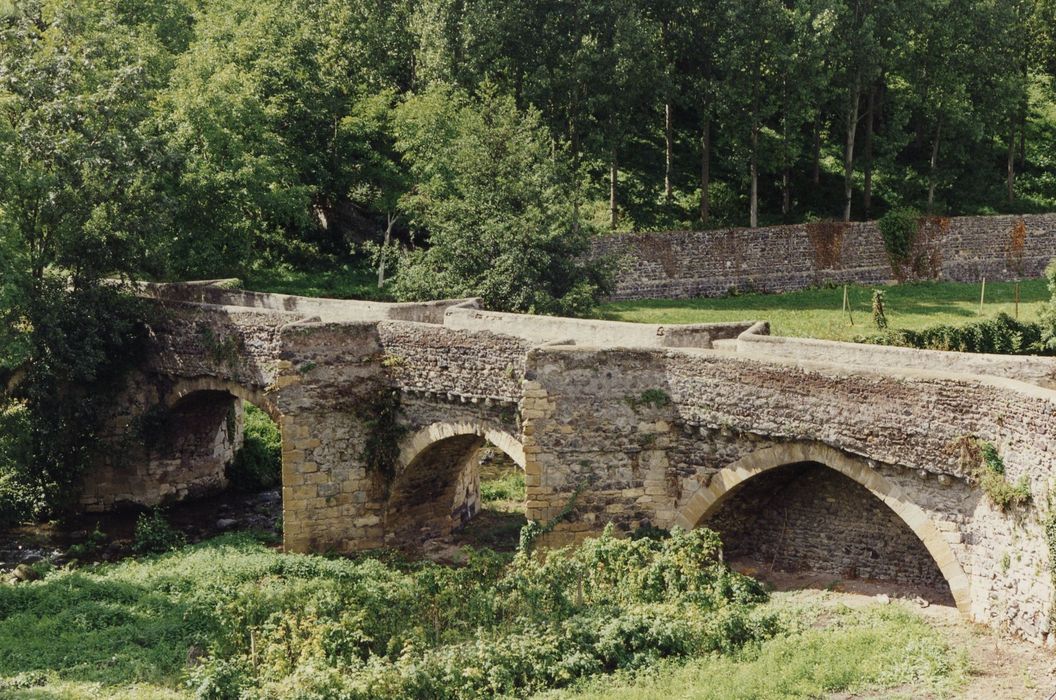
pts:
pixel 186 387
pixel 434 491
pixel 706 500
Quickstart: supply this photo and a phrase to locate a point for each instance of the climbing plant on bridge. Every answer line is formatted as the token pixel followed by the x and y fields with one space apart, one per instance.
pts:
pixel 986 466
pixel 379 410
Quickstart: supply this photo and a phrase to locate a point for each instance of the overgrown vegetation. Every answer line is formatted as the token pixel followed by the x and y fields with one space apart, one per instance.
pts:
pixel 824 652
pixel 899 229
pixel 338 628
pixel 258 464
pixel 379 410
pixel 504 489
pixel 1001 335
pixel 653 398
pixel 63 354
pixel 154 534
pixel 984 463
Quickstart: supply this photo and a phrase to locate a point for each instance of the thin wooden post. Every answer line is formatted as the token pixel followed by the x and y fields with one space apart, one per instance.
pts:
pixel 847 305
pixel 1017 300
pixel 982 296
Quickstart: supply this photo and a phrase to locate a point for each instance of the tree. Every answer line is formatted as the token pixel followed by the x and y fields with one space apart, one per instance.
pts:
pixel 753 55
pixel 79 201
pixel 498 204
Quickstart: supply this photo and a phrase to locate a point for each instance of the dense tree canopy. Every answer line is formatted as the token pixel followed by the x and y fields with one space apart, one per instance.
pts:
pixel 206 137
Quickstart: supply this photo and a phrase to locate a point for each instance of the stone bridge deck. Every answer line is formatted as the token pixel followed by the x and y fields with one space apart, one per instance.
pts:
pixel 825 455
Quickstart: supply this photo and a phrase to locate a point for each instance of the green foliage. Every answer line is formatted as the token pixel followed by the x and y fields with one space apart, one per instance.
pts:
pixel 899 228
pixel 71 347
pixel 879 316
pixel 653 398
pixel 499 205
pixel 1002 335
pixel 258 464
pixel 986 466
pixel 279 625
pixel 827 651
pixel 508 487
pixel 380 412
pixel 154 534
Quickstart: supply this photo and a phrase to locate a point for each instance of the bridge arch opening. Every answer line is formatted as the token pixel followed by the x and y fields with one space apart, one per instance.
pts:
pixel 205 436
pixel 438 490
pixel 824 516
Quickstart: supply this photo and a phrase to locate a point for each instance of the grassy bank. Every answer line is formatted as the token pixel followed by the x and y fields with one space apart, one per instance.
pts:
pixel 817 313
pixel 615 618
pixel 878 651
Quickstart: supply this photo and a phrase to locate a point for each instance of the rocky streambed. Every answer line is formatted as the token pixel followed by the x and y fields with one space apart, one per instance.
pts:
pixel 111 536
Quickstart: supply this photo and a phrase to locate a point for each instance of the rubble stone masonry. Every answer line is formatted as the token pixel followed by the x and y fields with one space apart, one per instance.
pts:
pixel 685 264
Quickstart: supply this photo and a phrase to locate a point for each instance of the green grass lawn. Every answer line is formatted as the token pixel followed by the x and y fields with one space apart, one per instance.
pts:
pixel 350 281
pixel 817 313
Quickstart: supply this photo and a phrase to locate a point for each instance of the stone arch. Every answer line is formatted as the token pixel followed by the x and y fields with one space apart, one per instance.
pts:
pixel 706 500
pixel 186 387
pixel 435 489
pixel 413 447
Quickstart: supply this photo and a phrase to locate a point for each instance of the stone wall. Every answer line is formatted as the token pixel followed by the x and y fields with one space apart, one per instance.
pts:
pixel 807 517
pixel 684 264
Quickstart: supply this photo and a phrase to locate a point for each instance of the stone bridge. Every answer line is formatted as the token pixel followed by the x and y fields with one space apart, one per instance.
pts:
pixel 832 457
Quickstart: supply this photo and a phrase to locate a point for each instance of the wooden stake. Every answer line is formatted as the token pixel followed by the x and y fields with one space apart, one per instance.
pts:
pixel 1017 300
pixel 847 305
pixel 982 297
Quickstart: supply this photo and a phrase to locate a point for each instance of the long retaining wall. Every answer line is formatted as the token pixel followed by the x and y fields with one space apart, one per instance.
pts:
pixel 685 264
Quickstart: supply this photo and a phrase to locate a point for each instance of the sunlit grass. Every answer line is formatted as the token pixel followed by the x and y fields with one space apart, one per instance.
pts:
pixel 817 313
pixel 829 650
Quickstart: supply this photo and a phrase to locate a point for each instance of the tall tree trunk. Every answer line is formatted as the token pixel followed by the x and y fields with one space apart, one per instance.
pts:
pixel 786 193
pixel 613 174
pixel 1011 175
pixel 705 171
pixel 668 152
pixel 816 174
pixel 753 207
pixel 390 222
pixel 848 153
pixel 870 121
pixel 933 167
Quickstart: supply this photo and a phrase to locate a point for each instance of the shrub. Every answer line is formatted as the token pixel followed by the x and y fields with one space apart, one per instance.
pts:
pixel 154 534
pixel 899 229
pixel 258 464
pixel 879 316
pixel 1001 335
